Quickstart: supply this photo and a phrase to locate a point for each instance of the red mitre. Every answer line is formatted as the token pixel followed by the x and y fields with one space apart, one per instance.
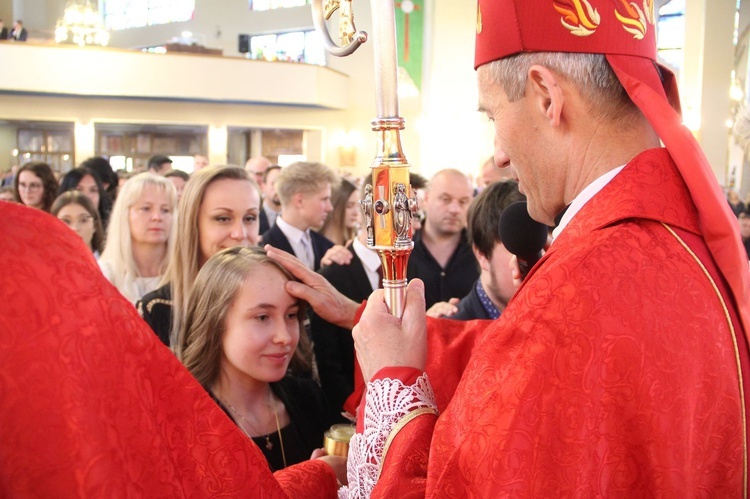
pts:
pixel 625 32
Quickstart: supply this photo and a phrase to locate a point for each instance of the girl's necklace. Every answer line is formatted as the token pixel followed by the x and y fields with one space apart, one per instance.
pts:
pixel 269 444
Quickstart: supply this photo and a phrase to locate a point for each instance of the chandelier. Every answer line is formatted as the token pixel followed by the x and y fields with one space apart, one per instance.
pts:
pixel 81 25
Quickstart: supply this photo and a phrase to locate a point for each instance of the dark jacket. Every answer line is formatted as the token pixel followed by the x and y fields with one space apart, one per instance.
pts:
pixel 156 309
pixel 442 284
pixel 263 222
pixel 333 345
pixel 470 308
pixel 278 240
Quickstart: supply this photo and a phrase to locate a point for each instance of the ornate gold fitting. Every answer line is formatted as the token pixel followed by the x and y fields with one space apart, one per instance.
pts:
pixel 388 206
pixel 390 203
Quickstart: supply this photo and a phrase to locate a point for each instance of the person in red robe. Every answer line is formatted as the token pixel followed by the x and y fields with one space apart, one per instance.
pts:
pixel 620 367
pixel 93 405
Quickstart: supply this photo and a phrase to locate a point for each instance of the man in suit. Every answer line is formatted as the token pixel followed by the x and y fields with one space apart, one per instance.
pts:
pixel 271 201
pixel 304 190
pixel 3 31
pixel 333 345
pixel 19 33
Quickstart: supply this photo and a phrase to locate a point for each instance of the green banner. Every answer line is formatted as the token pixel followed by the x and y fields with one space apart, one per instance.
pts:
pixel 409 35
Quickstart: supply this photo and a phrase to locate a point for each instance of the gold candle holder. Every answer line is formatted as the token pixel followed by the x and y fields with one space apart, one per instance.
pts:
pixel 390 203
pixel 336 439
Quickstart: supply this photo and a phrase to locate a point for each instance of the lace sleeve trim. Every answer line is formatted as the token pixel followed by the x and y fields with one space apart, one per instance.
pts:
pixel 390 405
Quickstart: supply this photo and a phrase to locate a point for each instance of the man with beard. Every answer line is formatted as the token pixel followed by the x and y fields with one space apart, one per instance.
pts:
pixel 494 288
pixel 442 256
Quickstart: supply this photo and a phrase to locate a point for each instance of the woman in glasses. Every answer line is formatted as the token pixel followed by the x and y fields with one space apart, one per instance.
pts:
pixel 76 211
pixel 36 185
pixel 88 182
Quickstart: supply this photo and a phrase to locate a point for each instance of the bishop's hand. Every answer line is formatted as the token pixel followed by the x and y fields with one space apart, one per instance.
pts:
pixel 383 340
pixel 313 288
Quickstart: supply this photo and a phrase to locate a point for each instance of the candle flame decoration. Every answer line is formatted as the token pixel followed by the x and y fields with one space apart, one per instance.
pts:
pixel 390 202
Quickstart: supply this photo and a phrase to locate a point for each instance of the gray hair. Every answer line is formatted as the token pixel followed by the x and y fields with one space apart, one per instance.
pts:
pixel 590 73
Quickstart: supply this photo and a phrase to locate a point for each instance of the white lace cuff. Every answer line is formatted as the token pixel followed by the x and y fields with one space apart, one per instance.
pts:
pixel 387 401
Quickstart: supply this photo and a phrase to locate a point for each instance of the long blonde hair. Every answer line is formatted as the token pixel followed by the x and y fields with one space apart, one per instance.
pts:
pixel 118 248
pixel 184 262
pixel 212 294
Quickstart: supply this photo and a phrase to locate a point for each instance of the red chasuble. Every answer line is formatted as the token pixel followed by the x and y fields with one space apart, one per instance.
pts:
pixel 92 404
pixel 616 370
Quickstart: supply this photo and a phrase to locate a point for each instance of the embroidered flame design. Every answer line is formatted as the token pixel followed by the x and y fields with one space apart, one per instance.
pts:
pixel 648 9
pixel 634 21
pixel 578 16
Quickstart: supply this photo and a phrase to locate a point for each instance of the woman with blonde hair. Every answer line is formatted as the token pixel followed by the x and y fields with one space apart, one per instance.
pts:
pixel 140 235
pixel 342 223
pixel 240 333
pixel 219 209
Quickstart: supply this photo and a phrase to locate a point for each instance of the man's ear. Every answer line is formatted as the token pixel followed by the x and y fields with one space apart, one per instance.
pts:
pixel 546 92
pixel 297 199
pixel 484 263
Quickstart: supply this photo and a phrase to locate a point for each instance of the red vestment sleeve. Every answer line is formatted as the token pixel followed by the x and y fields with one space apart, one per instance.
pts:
pixel 450 344
pixel 404 470
pixel 308 479
pixel 92 404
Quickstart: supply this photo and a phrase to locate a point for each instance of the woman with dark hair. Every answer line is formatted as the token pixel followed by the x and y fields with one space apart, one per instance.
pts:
pixel 76 211
pixel 106 174
pixel 88 182
pixel 36 185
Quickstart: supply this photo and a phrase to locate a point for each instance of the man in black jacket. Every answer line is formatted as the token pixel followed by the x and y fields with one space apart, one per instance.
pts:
pixel 442 256
pixel 491 292
pixel 334 346
pixel 19 33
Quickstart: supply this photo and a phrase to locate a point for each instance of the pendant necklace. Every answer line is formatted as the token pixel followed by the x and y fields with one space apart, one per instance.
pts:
pixel 269 444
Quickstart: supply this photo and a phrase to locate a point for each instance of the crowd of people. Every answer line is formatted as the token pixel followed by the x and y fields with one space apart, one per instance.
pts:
pixel 172 244
pixel 617 366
